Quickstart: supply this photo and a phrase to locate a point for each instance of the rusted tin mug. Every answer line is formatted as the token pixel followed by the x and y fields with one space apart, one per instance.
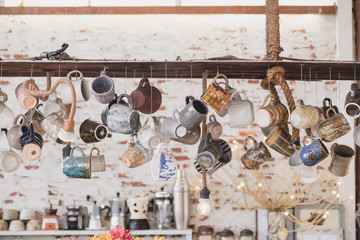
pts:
pixel 256 155
pixel 333 127
pixel 341 159
pixel 280 140
pixel 146 99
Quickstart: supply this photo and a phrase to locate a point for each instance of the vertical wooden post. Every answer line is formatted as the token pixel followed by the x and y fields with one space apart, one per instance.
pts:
pixel 204 130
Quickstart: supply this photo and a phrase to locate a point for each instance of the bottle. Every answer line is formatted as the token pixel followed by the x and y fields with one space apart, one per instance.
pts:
pixel 181 192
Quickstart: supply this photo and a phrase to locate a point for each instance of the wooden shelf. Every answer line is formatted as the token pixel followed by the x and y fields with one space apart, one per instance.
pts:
pixel 187 233
pixel 238 69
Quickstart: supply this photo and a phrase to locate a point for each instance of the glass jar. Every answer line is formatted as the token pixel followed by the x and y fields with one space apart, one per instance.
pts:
pixel 226 234
pixel 246 234
pixel 205 233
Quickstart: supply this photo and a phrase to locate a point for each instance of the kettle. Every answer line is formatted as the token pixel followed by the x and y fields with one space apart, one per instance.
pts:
pixel 94 213
pixel 118 209
pixel 138 208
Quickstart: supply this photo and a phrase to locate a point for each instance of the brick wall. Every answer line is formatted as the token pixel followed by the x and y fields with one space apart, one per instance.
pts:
pixel 37 183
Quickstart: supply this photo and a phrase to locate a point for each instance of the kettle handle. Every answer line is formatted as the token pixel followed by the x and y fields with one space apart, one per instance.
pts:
pixel 129 103
pixel 144 82
pixel 78 148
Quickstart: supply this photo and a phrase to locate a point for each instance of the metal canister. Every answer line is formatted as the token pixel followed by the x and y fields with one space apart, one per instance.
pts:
pixel 227 234
pixel 181 192
pixel 205 233
pixel 246 234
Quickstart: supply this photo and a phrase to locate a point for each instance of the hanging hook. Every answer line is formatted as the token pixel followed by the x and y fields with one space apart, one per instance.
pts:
pixel 151 70
pixel 105 68
pixel 31 73
pixel 191 71
pixel 125 71
pixel 354 73
pixel 165 70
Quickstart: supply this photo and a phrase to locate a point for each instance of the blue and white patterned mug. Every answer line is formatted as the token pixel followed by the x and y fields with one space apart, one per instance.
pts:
pixel 163 164
pixel 313 151
pixel 77 167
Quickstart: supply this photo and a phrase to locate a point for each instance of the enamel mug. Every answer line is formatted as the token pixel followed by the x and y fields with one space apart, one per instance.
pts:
pixel 97 161
pixel 241 111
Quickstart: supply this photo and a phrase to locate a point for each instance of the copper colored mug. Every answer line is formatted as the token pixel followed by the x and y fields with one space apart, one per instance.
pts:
pixel 280 140
pixel 146 99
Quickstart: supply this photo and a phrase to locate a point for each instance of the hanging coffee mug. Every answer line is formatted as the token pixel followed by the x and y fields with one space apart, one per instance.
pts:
pixel 304 116
pixel 352 102
pixel 327 103
pixel 146 99
pixel 25 99
pixel 194 112
pixel 172 128
pixel 356 135
pixel 31 144
pixel 81 87
pixel 241 111
pixel 10 161
pixel 313 151
pixel 209 152
pixel 333 127
pixel 280 140
pixel 77 167
pixel 123 118
pixel 163 163
pixel 52 125
pixel 7 115
pixel 191 137
pixel 272 114
pixel 256 155
pixel 35 116
pixel 214 127
pixel 15 132
pixel 341 156
pixel 54 104
pixel 215 96
pixel 224 110
pixel 92 131
pixel 103 88
pixel 307 174
pixel 97 161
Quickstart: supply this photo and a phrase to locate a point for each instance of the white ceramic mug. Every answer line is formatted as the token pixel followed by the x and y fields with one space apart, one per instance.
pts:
pixel 172 128
pixel 357 135
pixel 163 163
pixel 7 116
pixel 9 161
pixel 307 174
pixel 15 132
pixel 4 142
pixel 53 104
pixel 241 110
pixel 27 214
pixel 16 225
pixel 81 88
pixel 150 137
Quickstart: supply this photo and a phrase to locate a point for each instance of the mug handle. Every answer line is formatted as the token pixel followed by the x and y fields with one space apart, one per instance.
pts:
pixel 246 140
pixel 78 148
pixel 189 99
pixel 303 144
pixel 17 118
pixel 328 112
pixel 3 96
pixel 130 104
pixel 133 136
pixel 271 97
pixel 332 148
pixel 61 113
pixel 327 100
pixel 175 114
pixel 226 80
pixel 212 118
pixel 300 102
pixel 207 140
pixel 144 82
pixel 68 76
pixel 94 148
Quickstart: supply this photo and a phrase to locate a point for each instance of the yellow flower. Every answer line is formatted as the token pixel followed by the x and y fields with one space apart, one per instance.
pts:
pixel 156 238
pixel 161 238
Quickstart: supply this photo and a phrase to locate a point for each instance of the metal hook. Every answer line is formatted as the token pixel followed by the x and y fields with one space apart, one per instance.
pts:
pixel 151 70
pixel 191 71
pixel 105 68
pixel 125 71
pixel 165 70
pixel 31 73
pixel 354 73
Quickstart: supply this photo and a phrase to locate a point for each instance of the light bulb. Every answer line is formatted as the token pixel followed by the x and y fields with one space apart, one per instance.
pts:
pixel 292 196
pixel 204 207
pixel 259 185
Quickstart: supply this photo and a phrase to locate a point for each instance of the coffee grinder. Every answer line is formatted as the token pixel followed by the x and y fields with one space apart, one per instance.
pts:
pixel 50 220
pixel 73 220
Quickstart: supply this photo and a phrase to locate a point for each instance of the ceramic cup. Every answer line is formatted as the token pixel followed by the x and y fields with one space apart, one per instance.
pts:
pixel 313 151
pixel 194 112
pixel 304 116
pixel 92 131
pixel 307 174
pixel 332 127
pixel 241 110
pixel 191 137
pixel 35 116
pixel 224 110
pixel 53 105
pixel 10 214
pixel 352 102
pixel 26 100
pixel 163 163
pixel 209 152
pixel 52 125
pixel 327 103
pixel 214 127
pixel 77 167
pixel 341 156
pixel 15 132
pixel 133 156
pixel 81 87
pixel 3 225
pixel 33 225
pixel 16 225
pixel 6 115
pixel 280 140
pixel 97 161
pixel 172 128
pixel 149 134
pixel 123 118
pixel 10 161
pixel 31 144
pixel 103 88
pixel 146 99
pixel 356 135
pixel 274 114
pixel 4 142
pixel 27 214
pixel 256 155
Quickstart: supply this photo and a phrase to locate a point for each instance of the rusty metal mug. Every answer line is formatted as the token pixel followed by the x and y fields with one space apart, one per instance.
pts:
pixel 341 156
pixel 256 155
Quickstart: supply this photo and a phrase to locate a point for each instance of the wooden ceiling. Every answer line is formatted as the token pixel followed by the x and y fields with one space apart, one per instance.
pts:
pixel 238 69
